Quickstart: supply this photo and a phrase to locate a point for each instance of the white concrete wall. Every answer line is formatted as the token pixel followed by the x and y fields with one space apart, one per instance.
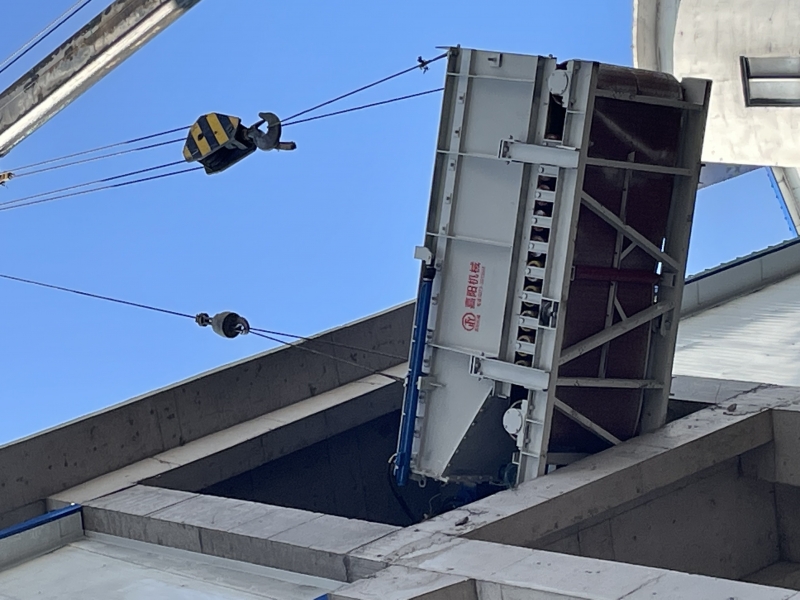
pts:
pixel 705 38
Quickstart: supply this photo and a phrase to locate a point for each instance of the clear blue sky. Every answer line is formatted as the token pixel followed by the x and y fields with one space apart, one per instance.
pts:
pixel 298 242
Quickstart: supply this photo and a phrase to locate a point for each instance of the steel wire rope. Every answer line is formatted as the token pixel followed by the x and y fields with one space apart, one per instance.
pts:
pixel 88 183
pixel 176 140
pixel 98 149
pixel 421 64
pixel 51 28
pixel 105 187
pixel 43 197
pixel 352 363
pixel 96 158
pixel 263 333
pixel 362 107
pixel 337 344
pixel 95 296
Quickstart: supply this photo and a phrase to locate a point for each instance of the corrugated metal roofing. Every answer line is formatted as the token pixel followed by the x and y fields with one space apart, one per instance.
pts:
pixel 755 337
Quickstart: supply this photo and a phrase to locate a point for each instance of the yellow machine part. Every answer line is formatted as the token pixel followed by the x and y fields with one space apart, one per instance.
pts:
pixel 209 133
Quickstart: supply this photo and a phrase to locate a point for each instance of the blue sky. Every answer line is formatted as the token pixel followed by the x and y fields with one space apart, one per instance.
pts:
pixel 297 242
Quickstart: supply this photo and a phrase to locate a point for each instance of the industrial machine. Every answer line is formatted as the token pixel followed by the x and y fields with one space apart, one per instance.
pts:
pixel 553 265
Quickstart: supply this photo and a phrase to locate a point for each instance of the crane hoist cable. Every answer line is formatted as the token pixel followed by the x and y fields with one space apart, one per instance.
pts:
pixel 25 199
pixel 106 147
pixel 350 362
pixel 51 28
pixel 96 158
pixel 421 64
pixel 69 191
pixel 105 187
pixel 228 324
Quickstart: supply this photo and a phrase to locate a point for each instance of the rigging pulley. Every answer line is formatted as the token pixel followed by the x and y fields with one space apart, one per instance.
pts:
pixel 227 324
pixel 219 141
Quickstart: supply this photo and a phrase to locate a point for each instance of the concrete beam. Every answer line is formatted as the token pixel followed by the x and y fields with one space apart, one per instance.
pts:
pixel 246 446
pixel 633 472
pixel 386 563
pixel 272 536
pixel 80 62
pixel 46 464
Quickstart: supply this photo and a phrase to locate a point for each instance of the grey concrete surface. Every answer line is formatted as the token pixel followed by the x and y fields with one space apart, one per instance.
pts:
pixel 45 538
pixel 293 432
pixel 786 424
pixel 787 502
pixel 345 475
pixel 278 537
pixel 606 481
pixel 64 457
pixel 402 583
pixel 247 445
pixel 722 526
pixel 101 567
pixel 408 563
pixel 781 574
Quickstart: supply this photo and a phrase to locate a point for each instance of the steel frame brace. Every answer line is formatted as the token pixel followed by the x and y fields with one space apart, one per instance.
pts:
pixel 615 331
pixel 586 423
pixel 620 384
pixel 621 164
pixel 628 231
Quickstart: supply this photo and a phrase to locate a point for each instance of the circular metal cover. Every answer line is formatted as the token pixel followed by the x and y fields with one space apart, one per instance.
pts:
pixel 558 83
pixel 512 420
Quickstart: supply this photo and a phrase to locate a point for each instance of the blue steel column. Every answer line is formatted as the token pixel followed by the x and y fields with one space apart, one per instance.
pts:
pixel 402 463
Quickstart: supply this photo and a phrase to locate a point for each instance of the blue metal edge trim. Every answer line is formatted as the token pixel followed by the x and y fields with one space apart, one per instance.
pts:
pixel 49 517
pixel 781 200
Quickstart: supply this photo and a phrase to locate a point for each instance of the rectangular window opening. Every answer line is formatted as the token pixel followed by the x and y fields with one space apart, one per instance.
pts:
pixel 771 81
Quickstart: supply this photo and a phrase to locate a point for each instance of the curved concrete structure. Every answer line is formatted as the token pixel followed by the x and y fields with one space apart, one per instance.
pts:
pixel 743 46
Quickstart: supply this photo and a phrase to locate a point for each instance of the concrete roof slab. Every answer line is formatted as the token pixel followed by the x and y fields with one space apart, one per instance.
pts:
pixel 469 558
pixel 212 513
pixel 408 542
pixel 678 586
pixel 575 576
pixel 401 583
pixel 141 500
pixel 110 483
pixel 334 534
pixel 274 520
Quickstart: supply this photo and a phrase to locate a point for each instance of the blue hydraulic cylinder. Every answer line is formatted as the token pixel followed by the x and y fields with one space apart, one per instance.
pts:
pixel 402 462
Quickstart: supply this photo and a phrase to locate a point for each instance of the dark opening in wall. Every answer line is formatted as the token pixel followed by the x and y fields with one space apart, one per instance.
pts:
pixel 347 475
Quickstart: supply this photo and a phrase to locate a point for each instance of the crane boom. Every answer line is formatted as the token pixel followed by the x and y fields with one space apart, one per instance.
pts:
pixel 93 52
